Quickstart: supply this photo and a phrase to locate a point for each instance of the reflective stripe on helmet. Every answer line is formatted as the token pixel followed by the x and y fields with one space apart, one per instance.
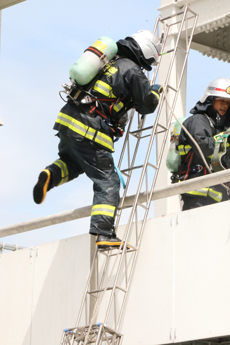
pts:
pixel 104 210
pixel 219 87
pixel 64 171
pixel 85 131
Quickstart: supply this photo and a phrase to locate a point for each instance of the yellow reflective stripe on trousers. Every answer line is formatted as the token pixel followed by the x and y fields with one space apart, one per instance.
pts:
pixel 217 196
pixel 85 131
pixel 200 192
pixel 156 94
pixel 76 126
pixel 184 149
pixel 64 171
pixel 103 210
pixel 104 88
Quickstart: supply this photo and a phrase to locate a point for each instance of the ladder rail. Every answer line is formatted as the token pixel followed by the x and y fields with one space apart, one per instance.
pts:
pixel 85 292
pixel 126 142
pixel 176 96
pixel 147 159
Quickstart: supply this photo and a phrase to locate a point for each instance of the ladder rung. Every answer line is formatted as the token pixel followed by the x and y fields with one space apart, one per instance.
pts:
pixel 151 165
pixel 133 168
pixel 123 172
pixel 141 205
pixel 107 289
pixel 141 130
pixel 163 127
pixel 134 249
pixel 108 252
pixel 145 136
pixel 172 88
pixel 99 290
pixel 171 16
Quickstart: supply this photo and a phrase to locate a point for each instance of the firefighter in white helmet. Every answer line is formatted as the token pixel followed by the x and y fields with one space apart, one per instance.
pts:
pixel 86 135
pixel 211 116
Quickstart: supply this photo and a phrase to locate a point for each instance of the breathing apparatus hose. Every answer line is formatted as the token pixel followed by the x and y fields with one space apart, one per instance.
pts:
pixel 191 137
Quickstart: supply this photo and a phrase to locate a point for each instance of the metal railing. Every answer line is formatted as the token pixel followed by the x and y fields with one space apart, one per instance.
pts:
pixel 160 193
pixel 12 247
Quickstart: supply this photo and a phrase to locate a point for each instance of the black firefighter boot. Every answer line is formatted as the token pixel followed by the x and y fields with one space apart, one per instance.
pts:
pixel 42 186
pixel 109 242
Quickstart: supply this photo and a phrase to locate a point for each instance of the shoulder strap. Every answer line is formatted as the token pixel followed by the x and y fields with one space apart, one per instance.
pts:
pixel 211 124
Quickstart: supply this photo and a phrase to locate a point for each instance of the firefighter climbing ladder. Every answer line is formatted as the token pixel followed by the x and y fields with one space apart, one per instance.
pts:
pixel 111 271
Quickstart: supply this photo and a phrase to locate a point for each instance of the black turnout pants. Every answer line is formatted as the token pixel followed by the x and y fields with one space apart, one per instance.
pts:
pixel 83 156
pixel 190 202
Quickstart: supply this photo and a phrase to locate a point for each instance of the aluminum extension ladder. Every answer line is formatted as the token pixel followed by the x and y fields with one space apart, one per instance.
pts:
pixel 111 271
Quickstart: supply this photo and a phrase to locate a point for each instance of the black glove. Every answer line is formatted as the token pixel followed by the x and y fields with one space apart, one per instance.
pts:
pixel 118 129
pixel 157 88
pixel 118 132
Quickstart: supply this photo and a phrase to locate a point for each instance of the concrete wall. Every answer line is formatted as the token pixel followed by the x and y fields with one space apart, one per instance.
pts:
pixel 181 283
pixel 180 289
pixel 41 290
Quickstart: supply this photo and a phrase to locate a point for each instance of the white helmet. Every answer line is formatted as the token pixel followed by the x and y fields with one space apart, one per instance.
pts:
pixel 150 45
pixel 217 88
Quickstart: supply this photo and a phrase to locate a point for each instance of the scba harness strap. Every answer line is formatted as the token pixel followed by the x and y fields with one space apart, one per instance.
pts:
pixel 93 105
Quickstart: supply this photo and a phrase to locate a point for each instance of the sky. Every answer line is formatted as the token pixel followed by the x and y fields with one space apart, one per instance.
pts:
pixel 40 40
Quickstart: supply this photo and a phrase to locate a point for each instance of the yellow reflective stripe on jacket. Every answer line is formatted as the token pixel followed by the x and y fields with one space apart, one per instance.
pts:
pixel 104 210
pixel 85 131
pixel 76 125
pixel 104 140
pixel 156 94
pixel 104 88
pixel 64 171
pixel 184 149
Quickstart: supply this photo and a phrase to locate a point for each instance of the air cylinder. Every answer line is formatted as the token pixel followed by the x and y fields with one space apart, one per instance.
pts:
pixel 93 60
pixel 173 160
